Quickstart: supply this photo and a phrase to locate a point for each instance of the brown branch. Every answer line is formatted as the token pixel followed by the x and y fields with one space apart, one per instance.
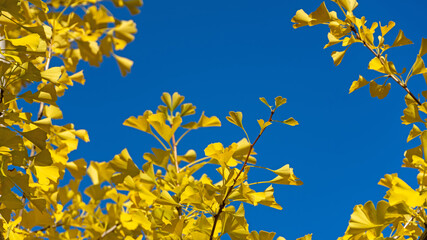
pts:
pixel 111 229
pixel 378 55
pixel 229 190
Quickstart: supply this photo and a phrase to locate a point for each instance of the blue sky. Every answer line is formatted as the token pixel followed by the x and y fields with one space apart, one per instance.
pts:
pixel 224 55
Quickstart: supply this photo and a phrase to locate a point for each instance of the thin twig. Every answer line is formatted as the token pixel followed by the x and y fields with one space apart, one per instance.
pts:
pixel 111 229
pixel 378 55
pixel 229 190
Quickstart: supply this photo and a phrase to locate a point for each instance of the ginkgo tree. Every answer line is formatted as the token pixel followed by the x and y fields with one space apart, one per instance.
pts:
pixel 162 199
pixel 402 213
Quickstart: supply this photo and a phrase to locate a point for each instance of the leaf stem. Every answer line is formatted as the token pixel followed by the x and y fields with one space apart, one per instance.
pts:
pixel 229 190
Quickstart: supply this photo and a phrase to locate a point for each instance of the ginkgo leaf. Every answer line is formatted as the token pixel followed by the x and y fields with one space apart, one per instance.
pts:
pixel 31 41
pixel 77 168
pixel 424 143
pixel 176 100
pixel 78 77
pixel 167 99
pixel 235 118
pixel 139 123
pixel 402 192
pixel 53 112
pixel 189 156
pixel 401 40
pixel 348 5
pixel 423 48
pixel 380 91
pixel 415 132
pixel 411 115
pixel 159 157
pixel 365 218
pixel 262 99
pixel 290 121
pixel 52 74
pixel 285 175
pixel 263 124
pixel 123 163
pixel 125 64
pixel 9 199
pixel 306 237
pixel 46 173
pixel 100 172
pixel 43 158
pixel 95 192
pixel 126 30
pixel 418 67
pixel 36 136
pixel 301 19
pixel 387 28
pixel 361 82
pixel 187 109
pixel 279 101
pixel 338 56
pixel 375 64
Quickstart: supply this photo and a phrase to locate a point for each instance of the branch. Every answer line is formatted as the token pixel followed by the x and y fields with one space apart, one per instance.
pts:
pixel 229 190
pixel 378 55
pixel 111 229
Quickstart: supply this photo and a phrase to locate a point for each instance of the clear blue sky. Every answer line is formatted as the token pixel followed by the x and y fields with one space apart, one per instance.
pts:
pixel 224 55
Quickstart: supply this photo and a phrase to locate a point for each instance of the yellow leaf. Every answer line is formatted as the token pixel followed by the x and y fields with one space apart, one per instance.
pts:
pixel 380 91
pixel 31 41
pixel 100 172
pixel 285 175
pixel 46 173
pixel 126 30
pixel 53 112
pixel 338 56
pixel 96 192
pixel 77 168
pixel 223 156
pixel 424 143
pixel 9 199
pixel 387 28
pixel 375 64
pixel 418 67
pixel 123 163
pixel 401 40
pixel 235 118
pixel 415 132
pixel 306 237
pixel 159 158
pixel 365 218
pixel 37 136
pixel 402 192
pixel 411 115
pixel 158 122
pixel 139 123
pixel 301 19
pixel 279 101
pixel 423 48
pixel 125 64
pixel 348 5
pixel 52 74
pixel 78 77
pixel 361 82
pixel 291 122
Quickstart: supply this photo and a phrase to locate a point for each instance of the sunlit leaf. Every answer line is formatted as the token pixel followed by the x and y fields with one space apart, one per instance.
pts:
pixel 380 91
pixel 125 64
pixel 361 82
pixel 401 40
pixel 235 118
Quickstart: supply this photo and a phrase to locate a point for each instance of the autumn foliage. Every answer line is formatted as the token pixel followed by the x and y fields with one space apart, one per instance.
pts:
pixel 164 198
